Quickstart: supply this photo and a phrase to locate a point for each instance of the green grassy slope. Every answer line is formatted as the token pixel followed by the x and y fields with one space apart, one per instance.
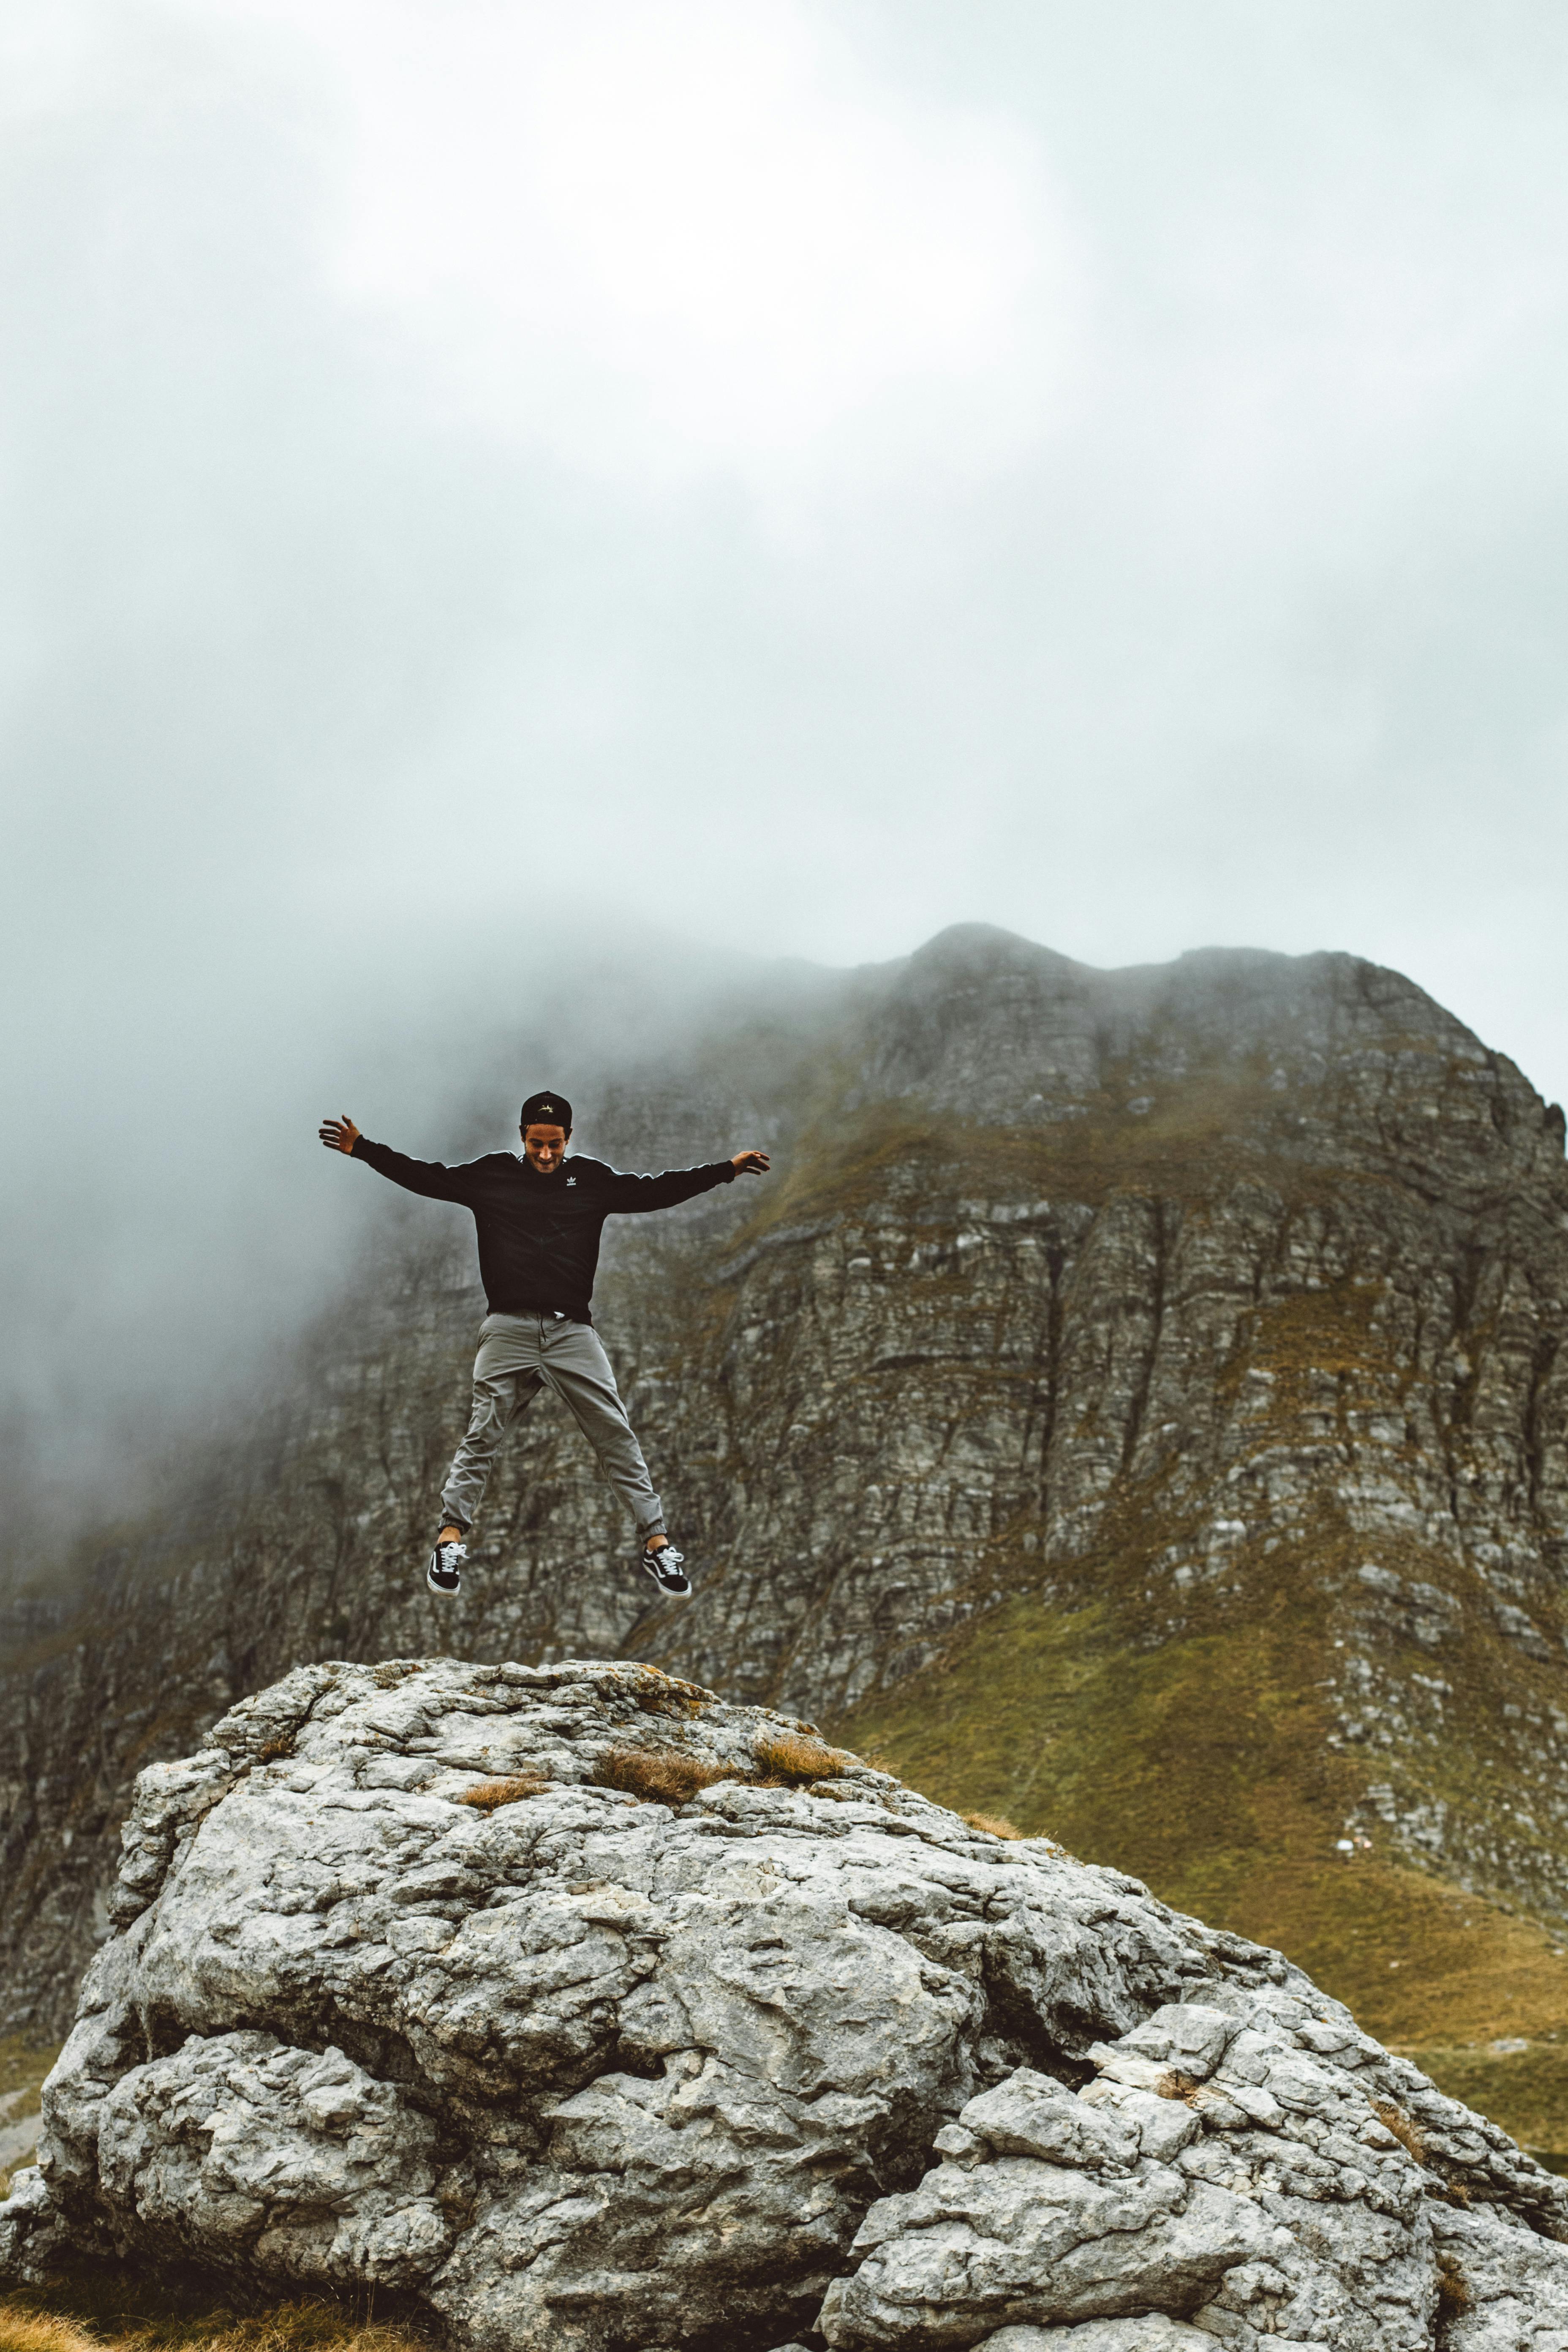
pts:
pixel 1200 1766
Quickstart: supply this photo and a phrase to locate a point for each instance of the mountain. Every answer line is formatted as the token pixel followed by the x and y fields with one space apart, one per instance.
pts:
pixel 1136 1404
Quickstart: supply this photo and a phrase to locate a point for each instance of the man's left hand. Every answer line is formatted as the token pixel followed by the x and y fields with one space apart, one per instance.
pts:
pixel 750 1163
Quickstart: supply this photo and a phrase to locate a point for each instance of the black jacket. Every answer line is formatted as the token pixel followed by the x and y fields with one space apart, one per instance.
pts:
pixel 539 1235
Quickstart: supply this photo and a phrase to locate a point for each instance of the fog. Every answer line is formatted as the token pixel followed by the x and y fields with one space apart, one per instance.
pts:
pixel 513 515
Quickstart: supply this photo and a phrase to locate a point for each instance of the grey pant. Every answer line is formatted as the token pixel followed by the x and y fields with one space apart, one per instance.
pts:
pixel 519 1355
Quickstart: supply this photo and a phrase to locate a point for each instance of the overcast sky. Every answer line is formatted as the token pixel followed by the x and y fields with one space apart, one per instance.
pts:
pixel 483 480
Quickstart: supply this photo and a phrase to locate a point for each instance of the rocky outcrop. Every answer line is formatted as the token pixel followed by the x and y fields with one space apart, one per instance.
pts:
pixel 592 2013
pixel 1189 1288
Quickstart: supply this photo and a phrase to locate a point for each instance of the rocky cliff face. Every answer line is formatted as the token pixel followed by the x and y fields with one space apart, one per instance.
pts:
pixel 1218 1298
pixel 593 2014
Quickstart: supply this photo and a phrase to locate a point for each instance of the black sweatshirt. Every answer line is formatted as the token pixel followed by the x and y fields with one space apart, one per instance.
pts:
pixel 539 1235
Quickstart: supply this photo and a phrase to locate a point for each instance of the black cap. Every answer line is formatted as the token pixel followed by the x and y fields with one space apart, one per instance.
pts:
pixel 546 1110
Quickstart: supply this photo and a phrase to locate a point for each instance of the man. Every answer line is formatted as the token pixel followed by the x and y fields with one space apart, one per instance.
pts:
pixel 540 1220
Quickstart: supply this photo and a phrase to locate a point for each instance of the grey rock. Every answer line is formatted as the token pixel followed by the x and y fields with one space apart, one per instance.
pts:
pixel 277 2163
pixel 1164 2126
pixel 34 2234
pixel 1186 2036
pixel 1149 2332
pixel 587 2073
pixel 1016 2240
pixel 1030 2114
pixel 1510 2294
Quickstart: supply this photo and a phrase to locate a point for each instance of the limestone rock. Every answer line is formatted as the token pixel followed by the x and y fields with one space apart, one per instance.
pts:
pixel 597 2014
pixel 33 2235
pixel 1150 2333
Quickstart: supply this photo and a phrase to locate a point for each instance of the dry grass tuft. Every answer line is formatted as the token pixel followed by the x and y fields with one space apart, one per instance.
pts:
pixel 659 1776
pixel 792 1758
pixel 1177 2085
pixel 298 2327
pixel 180 2325
pixel 37 2331
pixel 1406 2132
pixel 1453 2288
pixel 486 1795
pixel 995 1825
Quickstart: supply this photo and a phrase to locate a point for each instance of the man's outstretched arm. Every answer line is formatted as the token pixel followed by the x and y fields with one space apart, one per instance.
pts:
pixel 427 1177
pixel 633 1196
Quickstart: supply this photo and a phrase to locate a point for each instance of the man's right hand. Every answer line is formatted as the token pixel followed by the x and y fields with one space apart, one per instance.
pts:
pixel 339 1134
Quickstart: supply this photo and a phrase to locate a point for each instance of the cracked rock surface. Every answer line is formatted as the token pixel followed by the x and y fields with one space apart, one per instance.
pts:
pixel 415 1985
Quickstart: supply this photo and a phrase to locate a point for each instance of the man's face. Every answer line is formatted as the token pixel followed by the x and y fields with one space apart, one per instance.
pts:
pixel 545 1147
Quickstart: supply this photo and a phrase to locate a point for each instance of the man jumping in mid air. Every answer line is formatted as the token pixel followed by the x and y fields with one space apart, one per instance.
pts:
pixel 540 1219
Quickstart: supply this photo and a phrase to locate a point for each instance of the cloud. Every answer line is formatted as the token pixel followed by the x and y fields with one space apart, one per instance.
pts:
pixel 669 239
pixel 488 489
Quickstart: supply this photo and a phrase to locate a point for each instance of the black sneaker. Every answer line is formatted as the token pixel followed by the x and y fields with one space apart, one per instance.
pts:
pixel 444 1569
pixel 668 1568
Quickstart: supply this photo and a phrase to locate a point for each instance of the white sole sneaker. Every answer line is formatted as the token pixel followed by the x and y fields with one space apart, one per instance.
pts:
pixel 444 1568
pixel 668 1568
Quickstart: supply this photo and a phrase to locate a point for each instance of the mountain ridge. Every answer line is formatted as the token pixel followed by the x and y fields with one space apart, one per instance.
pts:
pixel 1186 1293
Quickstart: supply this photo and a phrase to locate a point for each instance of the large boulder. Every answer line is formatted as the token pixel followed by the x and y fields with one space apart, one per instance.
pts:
pixel 592 2013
